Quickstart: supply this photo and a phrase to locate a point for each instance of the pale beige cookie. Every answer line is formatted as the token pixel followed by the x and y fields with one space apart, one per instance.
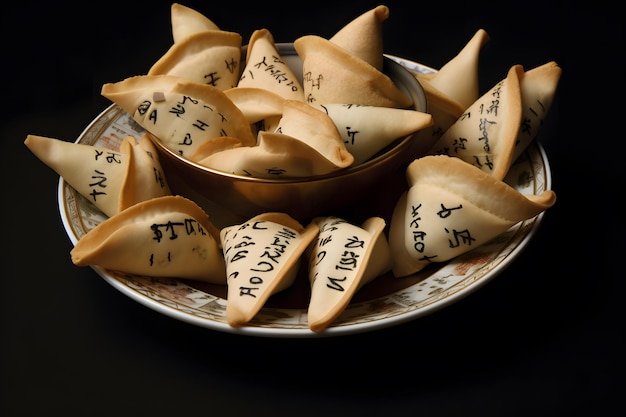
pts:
pixel 538 87
pixel 315 128
pixel 277 156
pixel 333 75
pixel 181 114
pixel 262 258
pixel 167 236
pixel 367 129
pixel 458 78
pixel 452 207
pixel 455 86
pixel 305 143
pixel 255 103
pixel 343 259
pixel 111 180
pixel 266 69
pixel 485 134
pixel 363 36
pixel 145 177
pixel 209 57
pixel 187 21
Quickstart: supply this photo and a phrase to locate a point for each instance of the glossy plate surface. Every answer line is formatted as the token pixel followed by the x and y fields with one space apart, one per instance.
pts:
pixel 385 302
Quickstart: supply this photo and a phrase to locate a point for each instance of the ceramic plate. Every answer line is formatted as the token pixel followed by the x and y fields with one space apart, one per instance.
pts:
pixel 384 302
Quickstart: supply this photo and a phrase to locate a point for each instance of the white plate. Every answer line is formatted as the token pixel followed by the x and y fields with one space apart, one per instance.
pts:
pixel 385 302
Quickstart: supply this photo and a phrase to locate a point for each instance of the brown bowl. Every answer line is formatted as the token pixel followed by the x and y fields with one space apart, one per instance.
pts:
pixel 302 198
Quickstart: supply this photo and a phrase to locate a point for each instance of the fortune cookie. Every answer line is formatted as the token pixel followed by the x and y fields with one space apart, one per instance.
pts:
pixel 458 78
pixel 305 143
pixel 333 75
pixel 538 87
pixel 168 236
pixel 485 134
pixel 187 21
pixel 365 130
pixel 454 87
pixel 262 108
pixel 450 208
pixel 181 114
pixel 315 128
pixel 111 180
pixel 211 57
pixel 201 52
pixel 343 259
pixel 363 36
pixel 347 68
pixel 277 156
pixel 266 69
pixel 255 103
pixel 262 258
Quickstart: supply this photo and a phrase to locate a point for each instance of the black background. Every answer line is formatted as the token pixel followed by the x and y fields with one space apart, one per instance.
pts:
pixel 544 338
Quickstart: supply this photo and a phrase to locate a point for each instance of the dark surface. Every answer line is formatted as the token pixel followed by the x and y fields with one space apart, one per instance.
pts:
pixel 544 338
